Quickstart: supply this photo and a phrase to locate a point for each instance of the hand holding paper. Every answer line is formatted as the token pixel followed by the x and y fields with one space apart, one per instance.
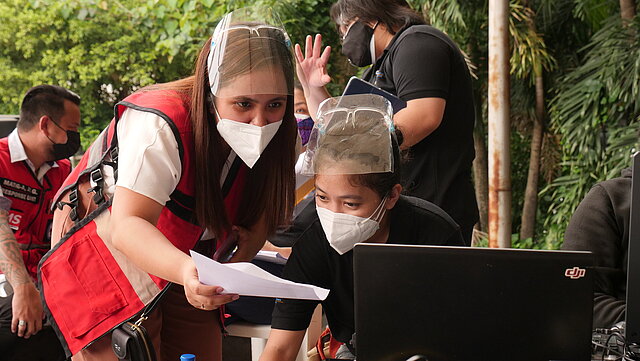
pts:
pixel 247 279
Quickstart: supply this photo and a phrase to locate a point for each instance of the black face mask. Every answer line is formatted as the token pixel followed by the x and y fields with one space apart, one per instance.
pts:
pixel 66 150
pixel 356 44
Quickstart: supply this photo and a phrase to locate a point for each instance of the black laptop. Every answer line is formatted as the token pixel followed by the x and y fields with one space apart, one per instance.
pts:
pixel 459 303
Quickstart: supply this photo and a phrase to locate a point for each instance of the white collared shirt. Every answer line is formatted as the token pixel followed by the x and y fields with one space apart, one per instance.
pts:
pixel 18 154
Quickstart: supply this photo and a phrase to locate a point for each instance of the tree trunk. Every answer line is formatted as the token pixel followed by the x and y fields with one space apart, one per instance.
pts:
pixel 530 207
pixel 480 168
pixel 627 9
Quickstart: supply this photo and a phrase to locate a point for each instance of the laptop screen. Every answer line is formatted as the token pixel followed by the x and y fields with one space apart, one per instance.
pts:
pixel 632 323
pixel 459 303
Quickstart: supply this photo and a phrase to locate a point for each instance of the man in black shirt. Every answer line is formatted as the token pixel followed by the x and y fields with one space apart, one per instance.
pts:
pixel 600 224
pixel 424 67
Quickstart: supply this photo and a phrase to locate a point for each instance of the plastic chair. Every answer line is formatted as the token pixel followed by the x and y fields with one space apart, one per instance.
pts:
pixel 260 333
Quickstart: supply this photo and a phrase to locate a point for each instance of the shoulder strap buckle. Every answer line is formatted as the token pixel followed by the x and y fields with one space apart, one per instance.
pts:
pixel 96 176
pixel 73 203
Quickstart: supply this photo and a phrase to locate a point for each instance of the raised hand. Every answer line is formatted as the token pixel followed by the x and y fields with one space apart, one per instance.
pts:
pixel 312 66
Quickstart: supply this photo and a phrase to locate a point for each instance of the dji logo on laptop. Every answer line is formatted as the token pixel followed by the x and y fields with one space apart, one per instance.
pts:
pixel 575 273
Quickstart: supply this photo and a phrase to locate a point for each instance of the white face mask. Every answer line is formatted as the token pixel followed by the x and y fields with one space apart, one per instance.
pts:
pixel 247 140
pixel 343 231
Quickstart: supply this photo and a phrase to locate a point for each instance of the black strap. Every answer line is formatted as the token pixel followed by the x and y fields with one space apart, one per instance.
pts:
pixel 27 247
pixel 147 310
pixel 73 203
pixel 151 306
pixel 98 179
pixel 231 176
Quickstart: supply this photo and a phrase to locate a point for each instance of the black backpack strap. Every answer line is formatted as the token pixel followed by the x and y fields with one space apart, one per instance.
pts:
pixel 151 306
pixel 73 203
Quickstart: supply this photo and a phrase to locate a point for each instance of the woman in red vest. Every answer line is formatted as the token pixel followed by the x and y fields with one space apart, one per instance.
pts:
pixel 208 157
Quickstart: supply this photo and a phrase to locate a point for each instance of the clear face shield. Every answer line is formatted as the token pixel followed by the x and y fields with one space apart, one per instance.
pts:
pixel 352 135
pixel 250 55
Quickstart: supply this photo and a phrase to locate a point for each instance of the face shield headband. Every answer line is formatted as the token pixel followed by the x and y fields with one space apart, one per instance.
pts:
pixel 352 135
pixel 241 44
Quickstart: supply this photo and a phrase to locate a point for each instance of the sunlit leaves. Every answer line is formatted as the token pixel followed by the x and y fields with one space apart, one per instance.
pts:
pixel 529 55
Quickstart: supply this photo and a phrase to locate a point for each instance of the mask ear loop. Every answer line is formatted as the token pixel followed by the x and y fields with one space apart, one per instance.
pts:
pixel 57 125
pixel 380 210
pixel 215 110
pixel 372 44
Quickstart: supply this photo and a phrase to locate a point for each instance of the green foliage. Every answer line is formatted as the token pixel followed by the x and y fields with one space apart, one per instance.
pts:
pixel 529 55
pixel 94 48
pixel 445 15
pixel 596 111
pixel 595 12
pixel 516 242
pixel 596 90
pixel 106 49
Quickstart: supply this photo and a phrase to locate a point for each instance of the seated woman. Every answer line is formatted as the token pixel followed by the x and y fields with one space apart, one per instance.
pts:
pixel 353 153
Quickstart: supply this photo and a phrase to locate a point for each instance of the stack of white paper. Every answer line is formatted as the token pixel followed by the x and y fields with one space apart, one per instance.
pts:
pixel 246 279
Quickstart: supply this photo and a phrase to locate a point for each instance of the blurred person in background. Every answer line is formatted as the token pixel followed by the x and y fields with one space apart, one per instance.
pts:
pixel 34 166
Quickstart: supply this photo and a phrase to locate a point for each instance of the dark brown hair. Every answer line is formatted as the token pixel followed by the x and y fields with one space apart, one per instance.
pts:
pixel 393 13
pixel 269 190
pixel 44 100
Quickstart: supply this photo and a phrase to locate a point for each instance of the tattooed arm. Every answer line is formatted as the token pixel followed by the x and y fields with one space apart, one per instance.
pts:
pixel 26 302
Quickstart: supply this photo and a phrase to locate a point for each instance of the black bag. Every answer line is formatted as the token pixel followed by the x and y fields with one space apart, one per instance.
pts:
pixel 130 341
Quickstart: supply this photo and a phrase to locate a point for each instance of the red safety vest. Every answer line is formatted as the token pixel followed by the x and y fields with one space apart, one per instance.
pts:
pixel 30 215
pixel 88 286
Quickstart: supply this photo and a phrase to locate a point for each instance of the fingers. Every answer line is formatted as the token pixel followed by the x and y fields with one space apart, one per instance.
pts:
pixel 26 329
pixel 308 48
pixel 214 302
pixel 312 49
pixel 31 329
pixel 37 326
pixel 298 52
pixel 317 46
pixel 206 291
pixel 325 55
pixel 208 297
pixel 22 328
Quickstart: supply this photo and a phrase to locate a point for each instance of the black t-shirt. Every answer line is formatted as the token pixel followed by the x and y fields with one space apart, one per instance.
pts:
pixel 313 261
pixel 600 224
pixel 423 62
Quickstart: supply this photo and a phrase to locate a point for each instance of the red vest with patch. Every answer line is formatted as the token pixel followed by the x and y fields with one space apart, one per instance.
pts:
pixel 30 215
pixel 89 287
